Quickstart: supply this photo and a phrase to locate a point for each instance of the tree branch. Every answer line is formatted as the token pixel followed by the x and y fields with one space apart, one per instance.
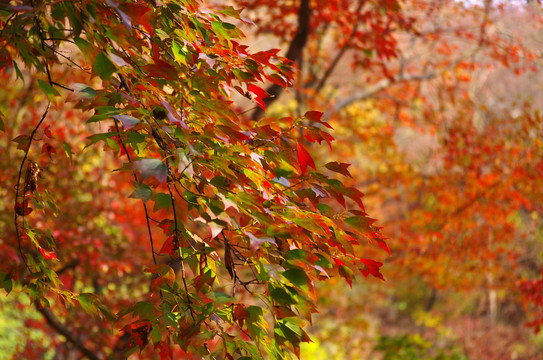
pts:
pixel 147 217
pixel 60 328
pixel 341 52
pixel 386 83
pixel 294 52
pixel 18 186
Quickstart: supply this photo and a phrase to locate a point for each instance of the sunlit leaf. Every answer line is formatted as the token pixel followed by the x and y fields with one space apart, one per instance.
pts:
pixel 304 159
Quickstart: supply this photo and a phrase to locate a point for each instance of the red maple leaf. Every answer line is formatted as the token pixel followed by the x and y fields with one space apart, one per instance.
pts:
pixel 304 159
pixel 260 95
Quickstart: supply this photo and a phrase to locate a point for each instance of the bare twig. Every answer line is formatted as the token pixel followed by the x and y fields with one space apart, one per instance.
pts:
pixel 136 179
pixel 181 259
pixel 18 186
pixel 7 22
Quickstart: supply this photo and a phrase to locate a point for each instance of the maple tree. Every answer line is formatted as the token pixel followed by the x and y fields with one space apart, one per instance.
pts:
pixel 439 117
pixel 236 216
pixel 196 231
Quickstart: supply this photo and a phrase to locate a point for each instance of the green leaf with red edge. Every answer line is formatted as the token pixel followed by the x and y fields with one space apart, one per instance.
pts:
pixel 360 223
pixel 165 273
pixel 336 195
pixel 304 159
pixel 346 273
pixel 372 267
pixel 88 50
pixel 354 194
pixel 297 277
pixel 339 168
pixel 230 11
pixel 312 134
pixel 260 95
pixel 225 30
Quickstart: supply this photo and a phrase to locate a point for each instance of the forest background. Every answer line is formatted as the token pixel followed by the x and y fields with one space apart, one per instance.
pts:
pixel 434 104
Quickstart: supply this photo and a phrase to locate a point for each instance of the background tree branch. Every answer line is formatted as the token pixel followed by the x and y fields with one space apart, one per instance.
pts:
pixel 61 329
pixel 385 83
pixel 294 52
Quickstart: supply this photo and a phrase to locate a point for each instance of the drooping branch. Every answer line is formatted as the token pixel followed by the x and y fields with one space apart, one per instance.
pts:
pixel 60 328
pixel 294 52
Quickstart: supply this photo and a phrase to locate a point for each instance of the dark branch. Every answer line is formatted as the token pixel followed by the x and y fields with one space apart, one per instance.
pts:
pixel 18 186
pixel 60 328
pixel 69 266
pixel 294 52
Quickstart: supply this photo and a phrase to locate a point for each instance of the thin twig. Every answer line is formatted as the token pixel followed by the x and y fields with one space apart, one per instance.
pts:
pixel 181 259
pixel 7 22
pixel 342 51
pixel 17 187
pixel 143 202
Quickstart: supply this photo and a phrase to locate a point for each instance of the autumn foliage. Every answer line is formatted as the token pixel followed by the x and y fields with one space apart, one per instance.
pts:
pixel 230 223
pixel 172 193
